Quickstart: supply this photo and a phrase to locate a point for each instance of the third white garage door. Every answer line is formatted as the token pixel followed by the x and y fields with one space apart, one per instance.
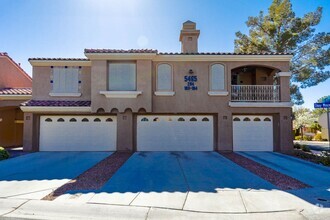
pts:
pixel 252 133
pixel 174 133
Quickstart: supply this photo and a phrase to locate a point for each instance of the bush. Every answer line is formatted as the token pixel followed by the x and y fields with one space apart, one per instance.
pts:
pixel 296 145
pixel 297 138
pixel 318 137
pixel 305 148
pixel 3 154
pixel 307 138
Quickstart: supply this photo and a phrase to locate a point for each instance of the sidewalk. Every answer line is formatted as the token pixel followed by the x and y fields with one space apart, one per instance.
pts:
pixel 35 209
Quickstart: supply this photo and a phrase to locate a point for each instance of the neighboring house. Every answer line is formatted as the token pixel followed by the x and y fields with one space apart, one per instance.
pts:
pixel 324 124
pixel 15 88
pixel 145 100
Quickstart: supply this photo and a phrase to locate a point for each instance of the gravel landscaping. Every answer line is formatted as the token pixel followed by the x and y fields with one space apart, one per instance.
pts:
pixel 95 177
pixel 280 180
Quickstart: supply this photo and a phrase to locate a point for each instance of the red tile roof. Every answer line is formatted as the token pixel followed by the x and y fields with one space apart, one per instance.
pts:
pixel 223 53
pixel 16 91
pixel 57 103
pixel 120 51
pixel 59 59
pixel 4 54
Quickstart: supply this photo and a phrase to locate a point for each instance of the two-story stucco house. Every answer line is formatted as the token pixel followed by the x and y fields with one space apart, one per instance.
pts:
pixel 15 88
pixel 144 100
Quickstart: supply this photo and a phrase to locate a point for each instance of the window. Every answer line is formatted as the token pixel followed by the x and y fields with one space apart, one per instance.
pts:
pixel 217 77
pixel 97 120
pixel 73 120
pixel 122 77
pixel 164 77
pixel 65 79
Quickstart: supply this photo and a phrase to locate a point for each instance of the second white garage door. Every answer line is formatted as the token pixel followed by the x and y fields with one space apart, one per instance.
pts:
pixel 174 133
pixel 252 133
pixel 78 133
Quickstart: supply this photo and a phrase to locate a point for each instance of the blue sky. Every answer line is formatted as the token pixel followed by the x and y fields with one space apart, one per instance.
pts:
pixel 63 28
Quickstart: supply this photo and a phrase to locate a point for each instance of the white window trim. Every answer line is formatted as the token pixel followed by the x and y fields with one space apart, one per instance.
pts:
pixel 223 92
pixel 164 93
pixel 59 94
pixel 121 94
pixel 218 93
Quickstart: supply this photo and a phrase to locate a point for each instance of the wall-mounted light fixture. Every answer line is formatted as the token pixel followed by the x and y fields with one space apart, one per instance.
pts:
pixel 191 71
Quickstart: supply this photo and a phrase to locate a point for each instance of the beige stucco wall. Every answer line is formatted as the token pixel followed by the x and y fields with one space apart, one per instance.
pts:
pixel 42 86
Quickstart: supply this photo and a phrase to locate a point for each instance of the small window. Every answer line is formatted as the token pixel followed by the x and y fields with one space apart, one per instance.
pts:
pixel 156 119
pixel 217 77
pixel 85 120
pixel 181 119
pixel 205 119
pixel 73 120
pixel 109 120
pixel 164 77
pixel 236 119
pixel 65 79
pixel 60 120
pixel 246 119
pixel 193 119
pixel 97 120
pixel 122 77
pixel 256 119
pixel 48 120
pixel 267 119
pixel 144 119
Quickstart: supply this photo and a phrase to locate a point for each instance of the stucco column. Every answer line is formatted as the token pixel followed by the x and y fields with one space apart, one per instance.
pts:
pixel 125 131
pixel 286 136
pixel 225 132
pixel 284 81
pixel 28 139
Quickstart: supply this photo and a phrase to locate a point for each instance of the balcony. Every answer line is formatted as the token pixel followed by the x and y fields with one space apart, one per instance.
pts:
pixel 255 93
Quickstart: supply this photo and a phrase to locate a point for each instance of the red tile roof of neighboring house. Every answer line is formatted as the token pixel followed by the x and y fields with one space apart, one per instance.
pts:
pixel 59 59
pixel 57 103
pixel 4 54
pixel 120 51
pixel 16 91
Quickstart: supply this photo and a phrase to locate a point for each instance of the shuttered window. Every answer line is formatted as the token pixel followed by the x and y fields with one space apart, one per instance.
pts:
pixel 65 80
pixel 217 77
pixel 122 77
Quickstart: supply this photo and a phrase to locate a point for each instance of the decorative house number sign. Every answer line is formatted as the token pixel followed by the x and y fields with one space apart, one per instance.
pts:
pixel 190 80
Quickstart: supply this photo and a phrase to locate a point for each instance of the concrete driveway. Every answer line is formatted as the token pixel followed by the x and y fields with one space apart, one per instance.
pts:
pixel 315 175
pixel 35 175
pixel 191 181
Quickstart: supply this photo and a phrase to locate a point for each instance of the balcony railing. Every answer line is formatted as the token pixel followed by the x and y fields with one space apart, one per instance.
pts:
pixel 255 93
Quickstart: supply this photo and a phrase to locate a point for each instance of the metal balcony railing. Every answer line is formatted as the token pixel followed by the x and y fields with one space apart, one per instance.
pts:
pixel 255 93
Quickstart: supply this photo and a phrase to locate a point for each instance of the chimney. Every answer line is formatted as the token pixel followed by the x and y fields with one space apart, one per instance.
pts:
pixel 189 37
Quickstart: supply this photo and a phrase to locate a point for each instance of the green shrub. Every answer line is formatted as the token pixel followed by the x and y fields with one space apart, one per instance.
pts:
pixel 318 137
pixel 307 138
pixel 305 148
pixel 3 154
pixel 296 145
pixel 325 160
pixel 297 138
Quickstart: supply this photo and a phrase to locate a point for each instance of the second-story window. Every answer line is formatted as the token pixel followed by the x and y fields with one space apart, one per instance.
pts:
pixel 122 77
pixel 164 77
pixel 217 77
pixel 65 79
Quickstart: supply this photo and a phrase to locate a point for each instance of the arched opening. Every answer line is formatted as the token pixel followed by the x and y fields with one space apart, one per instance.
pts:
pixel 254 83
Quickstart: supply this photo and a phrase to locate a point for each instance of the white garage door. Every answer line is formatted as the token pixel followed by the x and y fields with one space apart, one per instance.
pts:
pixel 175 133
pixel 252 133
pixel 78 133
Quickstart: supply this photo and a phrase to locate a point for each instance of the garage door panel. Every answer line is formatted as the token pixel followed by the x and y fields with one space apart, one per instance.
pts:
pixel 253 135
pixel 174 133
pixel 78 133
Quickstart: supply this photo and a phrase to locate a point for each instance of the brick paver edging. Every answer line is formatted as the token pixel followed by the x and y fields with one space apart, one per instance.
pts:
pixel 95 177
pixel 278 179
